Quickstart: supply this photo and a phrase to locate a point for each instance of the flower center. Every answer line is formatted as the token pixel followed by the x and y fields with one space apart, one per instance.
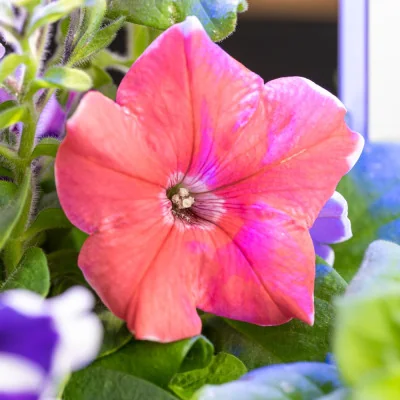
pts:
pixel 182 199
pixel 192 205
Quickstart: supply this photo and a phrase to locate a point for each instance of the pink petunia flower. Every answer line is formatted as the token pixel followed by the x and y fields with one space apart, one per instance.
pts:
pixel 199 186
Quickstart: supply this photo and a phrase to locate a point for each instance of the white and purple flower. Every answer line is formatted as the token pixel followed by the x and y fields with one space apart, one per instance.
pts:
pixel 42 341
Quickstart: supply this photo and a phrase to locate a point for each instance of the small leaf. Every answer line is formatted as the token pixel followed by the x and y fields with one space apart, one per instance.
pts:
pixel 52 12
pixel 116 334
pixel 65 78
pixel 46 147
pixel 12 210
pixel 104 384
pixel 31 273
pixel 300 381
pixel 222 369
pixel 217 16
pixel 49 218
pixel 11 116
pixel 86 50
pixel 257 346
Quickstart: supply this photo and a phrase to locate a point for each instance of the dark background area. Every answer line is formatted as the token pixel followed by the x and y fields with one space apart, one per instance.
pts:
pixel 285 48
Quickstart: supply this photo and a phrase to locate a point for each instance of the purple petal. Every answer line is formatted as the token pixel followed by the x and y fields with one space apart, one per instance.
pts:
pixel 2 51
pixel 325 252
pixel 52 120
pixel 331 230
pixel 336 206
pixel 332 224
pixel 18 396
pixel 31 337
pixel 5 96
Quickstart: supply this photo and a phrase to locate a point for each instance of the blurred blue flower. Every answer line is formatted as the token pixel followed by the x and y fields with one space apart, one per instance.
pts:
pixel 42 341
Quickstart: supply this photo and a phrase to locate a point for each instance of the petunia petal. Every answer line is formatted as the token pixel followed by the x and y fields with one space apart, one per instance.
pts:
pixel 198 103
pixel 102 180
pixel 308 148
pixel 264 273
pixel 151 284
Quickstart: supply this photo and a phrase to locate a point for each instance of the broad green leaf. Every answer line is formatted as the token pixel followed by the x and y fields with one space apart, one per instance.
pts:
pixel 7 192
pixel 101 39
pixel 49 218
pixel 11 116
pixel 217 16
pixel 46 147
pixel 65 78
pixel 372 190
pixel 222 369
pixel 298 381
pixel 257 346
pixel 31 273
pixel 52 12
pixel 367 337
pixel 380 268
pixel 115 335
pixel 12 210
pixel 9 64
pixel 152 361
pixel 104 384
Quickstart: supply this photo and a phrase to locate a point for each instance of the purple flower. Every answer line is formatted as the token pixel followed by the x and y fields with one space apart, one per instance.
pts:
pixel 331 226
pixel 42 341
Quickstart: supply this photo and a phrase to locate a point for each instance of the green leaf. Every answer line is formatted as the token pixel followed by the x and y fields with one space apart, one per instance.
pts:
pixel 372 190
pixel 89 48
pixel 64 270
pixel 9 64
pixel 222 369
pixel 65 78
pixel 116 334
pixel 152 361
pixel 46 147
pixel 12 210
pixel 99 76
pixel 49 218
pixel 31 273
pixel 258 346
pixel 104 384
pixel 7 192
pixel 52 12
pixel 11 116
pixel 367 338
pixel 298 381
pixel 217 16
